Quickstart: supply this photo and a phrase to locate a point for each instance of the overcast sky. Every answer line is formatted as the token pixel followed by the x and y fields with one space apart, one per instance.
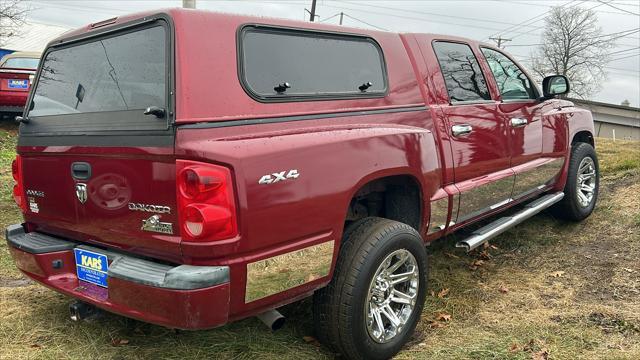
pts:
pixel 519 20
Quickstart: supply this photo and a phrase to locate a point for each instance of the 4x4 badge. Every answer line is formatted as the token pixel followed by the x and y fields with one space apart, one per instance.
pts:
pixel 279 176
pixel 81 192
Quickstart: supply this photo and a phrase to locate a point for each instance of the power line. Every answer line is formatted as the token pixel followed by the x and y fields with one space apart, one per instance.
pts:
pixel 549 6
pixel 622 51
pixel 329 18
pixel 528 22
pixel 607 54
pixel 409 17
pixel 525 45
pixel 626 57
pixel 621 69
pixel 591 8
pixel 617 8
pixel 624 33
pixel 600 3
pixel 430 13
pixel 524 58
pixel 364 22
pixel 620 34
pixel 341 14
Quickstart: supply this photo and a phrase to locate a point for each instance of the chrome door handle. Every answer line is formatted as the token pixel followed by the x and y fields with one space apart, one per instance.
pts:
pixel 462 129
pixel 518 122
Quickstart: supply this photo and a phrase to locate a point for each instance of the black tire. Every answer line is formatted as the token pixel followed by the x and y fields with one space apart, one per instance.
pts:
pixel 340 308
pixel 570 207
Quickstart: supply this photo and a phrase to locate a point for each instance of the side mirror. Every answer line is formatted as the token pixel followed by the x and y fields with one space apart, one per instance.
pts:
pixel 554 85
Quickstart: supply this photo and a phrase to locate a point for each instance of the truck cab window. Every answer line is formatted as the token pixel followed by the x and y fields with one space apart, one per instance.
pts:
pixel 462 74
pixel 512 81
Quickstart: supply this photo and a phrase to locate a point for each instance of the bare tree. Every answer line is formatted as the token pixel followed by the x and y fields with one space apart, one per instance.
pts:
pixel 12 17
pixel 573 45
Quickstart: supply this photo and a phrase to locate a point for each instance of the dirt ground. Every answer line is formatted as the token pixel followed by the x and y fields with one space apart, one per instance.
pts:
pixel 547 289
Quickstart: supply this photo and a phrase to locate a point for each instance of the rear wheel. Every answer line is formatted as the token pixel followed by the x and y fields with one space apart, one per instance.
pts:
pixel 583 180
pixel 373 304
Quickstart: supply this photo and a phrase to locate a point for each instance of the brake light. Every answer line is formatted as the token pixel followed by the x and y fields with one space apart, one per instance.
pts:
pixel 206 201
pixel 198 182
pixel 18 190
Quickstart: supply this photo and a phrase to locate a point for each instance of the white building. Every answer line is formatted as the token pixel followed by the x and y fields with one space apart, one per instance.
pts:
pixel 613 121
pixel 33 36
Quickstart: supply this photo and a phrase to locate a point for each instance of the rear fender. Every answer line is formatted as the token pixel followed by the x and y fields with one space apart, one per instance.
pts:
pixel 293 185
pixel 299 217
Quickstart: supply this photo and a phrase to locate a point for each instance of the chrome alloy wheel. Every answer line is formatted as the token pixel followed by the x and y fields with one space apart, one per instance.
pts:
pixel 392 296
pixel 586 181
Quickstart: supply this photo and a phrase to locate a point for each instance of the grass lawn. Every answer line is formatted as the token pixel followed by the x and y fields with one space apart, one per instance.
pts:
pixel 545 289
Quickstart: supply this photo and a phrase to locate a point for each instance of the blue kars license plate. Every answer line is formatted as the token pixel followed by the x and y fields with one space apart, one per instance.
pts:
pixel 91 267
pixel 18 84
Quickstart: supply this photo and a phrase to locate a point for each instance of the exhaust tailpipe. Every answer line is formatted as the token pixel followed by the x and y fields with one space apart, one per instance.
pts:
pixel 273 319
pixel 79 310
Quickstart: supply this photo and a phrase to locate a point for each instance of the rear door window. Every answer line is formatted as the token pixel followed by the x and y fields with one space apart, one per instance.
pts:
pixel 284 65
pixel 462 74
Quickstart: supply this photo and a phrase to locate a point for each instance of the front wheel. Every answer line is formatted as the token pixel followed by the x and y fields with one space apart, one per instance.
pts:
pixel 583 180
pixel 373 304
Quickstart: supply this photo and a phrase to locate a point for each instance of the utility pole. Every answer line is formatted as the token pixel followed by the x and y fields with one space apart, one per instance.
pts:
pixel 312 14
pixel 499 40
pixel 341 16
pixel 189 4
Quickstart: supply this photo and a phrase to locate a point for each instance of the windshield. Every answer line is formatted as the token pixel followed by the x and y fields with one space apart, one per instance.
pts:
pixel 124 72
pixel 21 63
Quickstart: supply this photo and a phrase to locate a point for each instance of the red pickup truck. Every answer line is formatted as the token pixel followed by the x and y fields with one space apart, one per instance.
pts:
pixel 191 181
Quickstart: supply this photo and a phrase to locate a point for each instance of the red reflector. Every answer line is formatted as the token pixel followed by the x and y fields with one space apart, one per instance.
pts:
pixel 204 219
pixel 17 195
pixel 194 221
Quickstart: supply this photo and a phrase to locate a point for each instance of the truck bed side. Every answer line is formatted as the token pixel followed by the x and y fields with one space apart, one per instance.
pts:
pixel 334 159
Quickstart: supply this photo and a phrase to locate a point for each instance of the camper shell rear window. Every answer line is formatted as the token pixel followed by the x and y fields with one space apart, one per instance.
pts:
pixel 284 64
pixel 104 83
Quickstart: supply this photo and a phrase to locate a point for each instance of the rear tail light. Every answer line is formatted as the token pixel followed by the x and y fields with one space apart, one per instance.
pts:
pixel 206 201
pixel 18 190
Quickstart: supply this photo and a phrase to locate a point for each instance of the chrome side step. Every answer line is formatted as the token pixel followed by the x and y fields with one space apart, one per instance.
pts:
pixel 501 225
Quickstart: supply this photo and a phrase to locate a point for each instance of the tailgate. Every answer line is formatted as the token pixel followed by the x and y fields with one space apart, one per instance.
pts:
pixel 97 167
pixel 83 195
